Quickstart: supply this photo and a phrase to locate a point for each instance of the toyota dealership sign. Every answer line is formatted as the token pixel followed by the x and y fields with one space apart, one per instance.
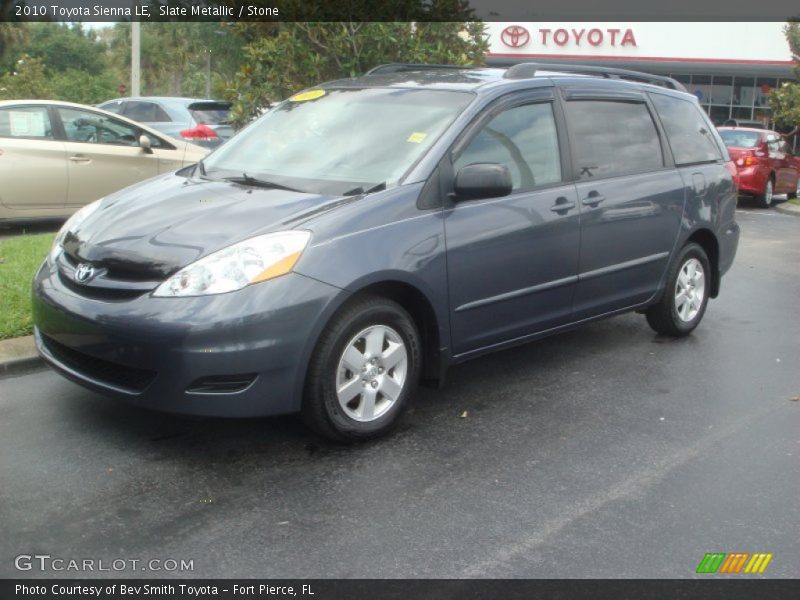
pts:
pixel 644 41
pixel 519 36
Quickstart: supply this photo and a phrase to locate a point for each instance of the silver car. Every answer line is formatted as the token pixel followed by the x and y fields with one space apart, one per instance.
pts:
pixel 57 156
pixel 202 122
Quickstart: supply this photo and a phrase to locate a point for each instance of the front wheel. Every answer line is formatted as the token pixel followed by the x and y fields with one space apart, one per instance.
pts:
pixel 363 371
pixel 684 302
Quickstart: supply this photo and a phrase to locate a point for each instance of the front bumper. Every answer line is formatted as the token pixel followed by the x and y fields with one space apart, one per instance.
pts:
pixel 171 354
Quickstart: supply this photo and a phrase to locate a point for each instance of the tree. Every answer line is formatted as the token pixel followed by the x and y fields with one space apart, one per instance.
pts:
pixel 59 46
pixel 11 34
pixel 292 56
pixel 174 56
pixel 785 100
pixel 28 81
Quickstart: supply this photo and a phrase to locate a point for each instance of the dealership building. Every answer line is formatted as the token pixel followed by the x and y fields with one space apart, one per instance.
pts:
pixel 730 67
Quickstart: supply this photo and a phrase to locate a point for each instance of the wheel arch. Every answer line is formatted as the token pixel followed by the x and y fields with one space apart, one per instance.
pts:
pixel 706 239
pixel 421 309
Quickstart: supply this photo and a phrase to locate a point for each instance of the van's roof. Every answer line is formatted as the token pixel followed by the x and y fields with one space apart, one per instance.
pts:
pixel 451 77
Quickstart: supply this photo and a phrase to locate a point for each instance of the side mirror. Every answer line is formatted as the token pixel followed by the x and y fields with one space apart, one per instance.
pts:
pixel 145 145
pixel 482 180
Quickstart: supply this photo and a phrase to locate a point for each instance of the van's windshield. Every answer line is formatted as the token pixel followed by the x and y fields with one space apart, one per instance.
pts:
pixel 339 141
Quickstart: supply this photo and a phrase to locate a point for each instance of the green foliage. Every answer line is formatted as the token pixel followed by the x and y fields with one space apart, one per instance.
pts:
pixel 292 56
pixel 785 103
pixel 82 87
pixel 785 100
pixel 60 47
pixel 174 56
pixel 792 33
pixel 28 80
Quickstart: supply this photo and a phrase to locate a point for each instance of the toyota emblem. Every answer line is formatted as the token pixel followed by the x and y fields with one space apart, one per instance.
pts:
pixel 515 36
pixel 84 272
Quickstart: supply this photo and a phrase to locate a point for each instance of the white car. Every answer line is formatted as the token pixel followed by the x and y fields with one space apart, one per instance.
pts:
pixel 57 156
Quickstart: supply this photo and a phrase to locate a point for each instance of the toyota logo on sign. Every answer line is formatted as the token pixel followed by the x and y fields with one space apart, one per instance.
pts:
pixel 515 36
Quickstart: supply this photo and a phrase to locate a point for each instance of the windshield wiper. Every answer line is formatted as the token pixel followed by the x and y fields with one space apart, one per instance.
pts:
pixel 246 179
pixel 360 190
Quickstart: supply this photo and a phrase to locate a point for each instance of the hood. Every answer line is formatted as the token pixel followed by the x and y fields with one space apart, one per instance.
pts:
pixel 151 230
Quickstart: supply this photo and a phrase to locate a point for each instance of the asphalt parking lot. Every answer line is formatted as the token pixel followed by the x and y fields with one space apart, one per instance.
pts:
pixel 604 452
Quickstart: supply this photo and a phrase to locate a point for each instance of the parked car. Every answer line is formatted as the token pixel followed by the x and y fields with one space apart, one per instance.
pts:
pixel 202 122
pixel 56 156
pixel 764 164
pixel 316 265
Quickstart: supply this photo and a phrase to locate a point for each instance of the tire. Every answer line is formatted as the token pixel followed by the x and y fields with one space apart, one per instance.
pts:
pixel 382 382
pixel 793 195
pixel 671 316
pixel 765 199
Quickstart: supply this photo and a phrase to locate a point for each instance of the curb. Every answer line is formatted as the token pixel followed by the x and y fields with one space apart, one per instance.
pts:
pixel 787 208
pixel 18 366
pixel 18 355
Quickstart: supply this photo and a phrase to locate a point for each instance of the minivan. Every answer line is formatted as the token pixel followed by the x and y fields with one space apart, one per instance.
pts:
pixel 367 233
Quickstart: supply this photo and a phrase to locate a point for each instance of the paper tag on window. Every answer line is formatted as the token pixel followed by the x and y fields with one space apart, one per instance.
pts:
pixel 417 137
pixel 27 124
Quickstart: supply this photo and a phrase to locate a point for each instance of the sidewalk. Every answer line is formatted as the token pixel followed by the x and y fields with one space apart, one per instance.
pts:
pixel 18 355
pixel 788 208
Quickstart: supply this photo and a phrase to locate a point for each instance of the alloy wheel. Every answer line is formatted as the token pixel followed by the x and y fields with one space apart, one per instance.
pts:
pixel 371 373
pixel 690 290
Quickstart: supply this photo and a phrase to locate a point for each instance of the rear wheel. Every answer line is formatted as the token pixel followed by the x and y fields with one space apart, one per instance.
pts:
pixel 684 302
pixel 794 194
pixel 765 199
pixel 363 371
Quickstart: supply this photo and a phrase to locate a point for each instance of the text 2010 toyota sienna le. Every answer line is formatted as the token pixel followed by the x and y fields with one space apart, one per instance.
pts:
pixel 367 233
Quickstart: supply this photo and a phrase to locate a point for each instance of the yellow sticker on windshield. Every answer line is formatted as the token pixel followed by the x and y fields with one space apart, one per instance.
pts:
pixel 417 137
pixel 309 95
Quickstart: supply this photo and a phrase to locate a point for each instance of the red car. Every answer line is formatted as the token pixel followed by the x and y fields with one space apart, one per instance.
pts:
pixel 764 164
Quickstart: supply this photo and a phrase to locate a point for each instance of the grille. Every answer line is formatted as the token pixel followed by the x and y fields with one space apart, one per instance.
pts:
pixel 100 293
pixel 130 379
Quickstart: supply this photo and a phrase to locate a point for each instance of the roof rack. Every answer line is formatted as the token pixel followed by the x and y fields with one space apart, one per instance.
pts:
pixel 528 70
pixel 400 67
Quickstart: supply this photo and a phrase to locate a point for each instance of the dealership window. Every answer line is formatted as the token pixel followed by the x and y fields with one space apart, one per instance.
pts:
pixel 726 97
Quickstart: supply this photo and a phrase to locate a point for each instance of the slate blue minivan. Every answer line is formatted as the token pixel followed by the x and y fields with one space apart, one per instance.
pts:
pixel 365 234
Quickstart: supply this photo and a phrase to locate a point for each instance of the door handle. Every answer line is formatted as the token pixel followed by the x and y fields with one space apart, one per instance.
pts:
pixel 80 158
pixel 593 199
pixel 562 205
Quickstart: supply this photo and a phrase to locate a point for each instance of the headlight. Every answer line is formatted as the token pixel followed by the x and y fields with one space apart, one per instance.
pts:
pixel 72 223
pixel 232 268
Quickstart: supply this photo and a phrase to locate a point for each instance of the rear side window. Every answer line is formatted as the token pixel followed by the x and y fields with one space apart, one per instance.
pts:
pixel 613 138
pixel 29 122
pixel 774 143
pixel 688 132
pixel 146 112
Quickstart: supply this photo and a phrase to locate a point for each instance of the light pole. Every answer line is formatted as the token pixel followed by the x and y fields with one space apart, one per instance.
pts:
pixel 136 44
